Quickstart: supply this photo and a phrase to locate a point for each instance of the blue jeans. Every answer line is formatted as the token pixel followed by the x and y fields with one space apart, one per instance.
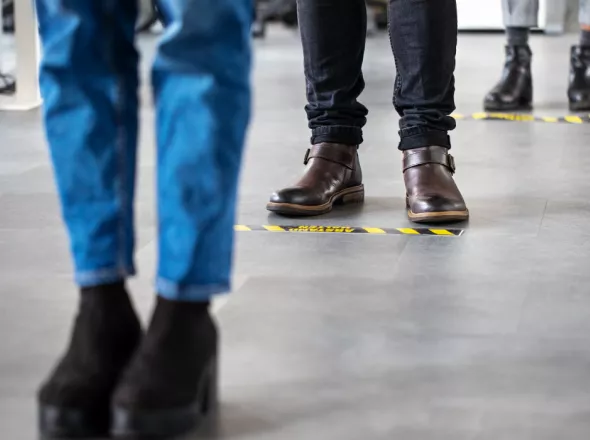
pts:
pixel 201 88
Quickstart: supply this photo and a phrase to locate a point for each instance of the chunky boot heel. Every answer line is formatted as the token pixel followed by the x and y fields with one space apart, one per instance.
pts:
pixel 62 423
pixel 136 424
pixel 210 400
pixel 357 195
pixel 171 385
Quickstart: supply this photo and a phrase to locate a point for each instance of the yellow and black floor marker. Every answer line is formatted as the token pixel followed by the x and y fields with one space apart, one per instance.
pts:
pixel 350 230
pixel 520 117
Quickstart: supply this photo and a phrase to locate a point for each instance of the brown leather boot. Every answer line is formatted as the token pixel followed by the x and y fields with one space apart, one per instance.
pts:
pixel 432 195
pixel 333 175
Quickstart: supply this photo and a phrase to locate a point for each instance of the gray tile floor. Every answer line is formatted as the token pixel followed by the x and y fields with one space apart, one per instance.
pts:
pixel 482 337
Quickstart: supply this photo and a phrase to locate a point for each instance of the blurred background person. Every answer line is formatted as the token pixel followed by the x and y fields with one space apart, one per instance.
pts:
pixel 514 92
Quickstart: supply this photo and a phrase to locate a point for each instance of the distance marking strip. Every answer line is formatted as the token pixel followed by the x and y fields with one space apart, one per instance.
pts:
pixel 321 229
pixel 523 117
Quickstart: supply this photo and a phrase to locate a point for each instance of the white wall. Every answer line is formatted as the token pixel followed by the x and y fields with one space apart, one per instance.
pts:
pixel 487 14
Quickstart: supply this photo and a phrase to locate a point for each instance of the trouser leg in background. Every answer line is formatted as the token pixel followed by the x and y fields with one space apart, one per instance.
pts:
pixel 201 84
pixel 520 13
pixel 424 41
pixel 333 34
pixel 579 78
pixel 514 90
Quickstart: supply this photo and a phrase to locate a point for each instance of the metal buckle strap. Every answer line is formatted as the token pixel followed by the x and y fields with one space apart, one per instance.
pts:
pixel 424 157
pixel 330 153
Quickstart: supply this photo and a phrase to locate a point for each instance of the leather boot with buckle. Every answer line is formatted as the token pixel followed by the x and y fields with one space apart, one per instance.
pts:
pixel 432 195
pixel 333 176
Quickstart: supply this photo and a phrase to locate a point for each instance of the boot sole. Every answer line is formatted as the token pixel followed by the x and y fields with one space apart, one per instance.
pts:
pixel 512 108
pixel 159 424
pixel 68 423
pixel 355 194
pixel 438 217
pixel 582 107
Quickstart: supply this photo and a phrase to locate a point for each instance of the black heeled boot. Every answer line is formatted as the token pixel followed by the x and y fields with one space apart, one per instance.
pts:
pixel 514 92
pixel 579 81
pixel 171 384
pixel 75 401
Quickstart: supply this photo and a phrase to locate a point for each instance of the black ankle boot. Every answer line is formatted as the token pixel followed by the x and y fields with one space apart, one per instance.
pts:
pixel 579 87
pixel 75 401
pixel 171 384
pixel 514 92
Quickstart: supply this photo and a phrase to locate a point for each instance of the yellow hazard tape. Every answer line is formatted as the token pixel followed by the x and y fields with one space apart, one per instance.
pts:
pixel 272 228
pixel 519 117
pixel 350 230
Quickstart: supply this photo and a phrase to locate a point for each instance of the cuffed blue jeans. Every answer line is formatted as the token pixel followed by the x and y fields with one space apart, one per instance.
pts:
pixel 201 87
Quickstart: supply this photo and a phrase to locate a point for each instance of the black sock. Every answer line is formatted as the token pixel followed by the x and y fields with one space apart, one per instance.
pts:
pixel 585 38
pixel 105 293
pixel 518 36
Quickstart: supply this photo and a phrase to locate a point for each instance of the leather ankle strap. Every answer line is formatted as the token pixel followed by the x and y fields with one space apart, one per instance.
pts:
pixel 341 154
pixel 424 156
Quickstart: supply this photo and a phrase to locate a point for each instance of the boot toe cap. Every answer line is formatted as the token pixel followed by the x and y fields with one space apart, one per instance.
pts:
pixel 435 205
pixel 295 196
pixel 494 100
pixel 74 393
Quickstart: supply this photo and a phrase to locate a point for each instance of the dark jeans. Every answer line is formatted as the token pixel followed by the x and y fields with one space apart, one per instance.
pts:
pixel 423 35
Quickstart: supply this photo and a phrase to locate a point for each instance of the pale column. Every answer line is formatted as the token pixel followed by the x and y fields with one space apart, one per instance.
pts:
pixel 27 94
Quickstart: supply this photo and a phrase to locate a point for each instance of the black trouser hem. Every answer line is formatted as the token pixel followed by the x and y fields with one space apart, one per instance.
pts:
pixel 427 138
pixel 337 134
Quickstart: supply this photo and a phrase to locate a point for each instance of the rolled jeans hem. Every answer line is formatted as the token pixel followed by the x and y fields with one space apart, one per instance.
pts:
pixel 337 134
pixel 174 291
pixel 425 139
pixel 103 276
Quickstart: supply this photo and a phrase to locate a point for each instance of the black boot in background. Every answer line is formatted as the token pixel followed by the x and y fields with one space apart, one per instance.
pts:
pixel 579 82
pixel 171 384
pixel 75 401
pixel 514 92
